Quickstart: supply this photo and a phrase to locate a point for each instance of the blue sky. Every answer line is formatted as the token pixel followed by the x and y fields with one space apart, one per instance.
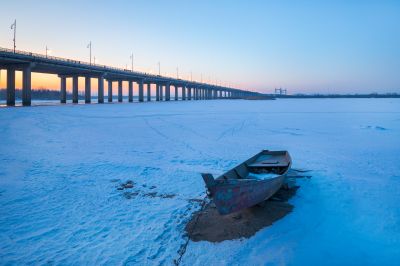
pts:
pixel 306 47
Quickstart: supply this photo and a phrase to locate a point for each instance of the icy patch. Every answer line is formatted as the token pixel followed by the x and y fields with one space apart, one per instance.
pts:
pixel 262 176
pixel 379 128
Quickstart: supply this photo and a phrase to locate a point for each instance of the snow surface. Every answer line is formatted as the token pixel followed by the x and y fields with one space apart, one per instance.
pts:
pixel 60 204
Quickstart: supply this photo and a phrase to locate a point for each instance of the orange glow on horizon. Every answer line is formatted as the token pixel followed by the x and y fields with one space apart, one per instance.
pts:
pixel 52 82
pixel 39 80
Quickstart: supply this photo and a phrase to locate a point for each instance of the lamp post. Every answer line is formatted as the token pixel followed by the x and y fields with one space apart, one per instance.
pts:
pixel 14 27
pixel 90 51
pixel 47 50
pixel 131 57
pixel 159 68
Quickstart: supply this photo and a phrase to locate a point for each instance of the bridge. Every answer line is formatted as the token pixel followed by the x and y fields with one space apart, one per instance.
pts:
pixel 28 62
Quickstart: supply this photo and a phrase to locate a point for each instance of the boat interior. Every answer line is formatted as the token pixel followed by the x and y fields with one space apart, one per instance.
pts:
pixel 264 165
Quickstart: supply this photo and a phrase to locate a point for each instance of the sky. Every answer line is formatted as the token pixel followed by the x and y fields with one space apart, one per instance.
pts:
pixel 303 46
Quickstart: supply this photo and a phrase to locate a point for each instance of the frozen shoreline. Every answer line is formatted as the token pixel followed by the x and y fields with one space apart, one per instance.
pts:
pixel 59 203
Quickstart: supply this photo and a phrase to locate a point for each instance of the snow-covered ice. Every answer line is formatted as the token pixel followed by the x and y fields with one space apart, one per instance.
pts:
pixel 59 165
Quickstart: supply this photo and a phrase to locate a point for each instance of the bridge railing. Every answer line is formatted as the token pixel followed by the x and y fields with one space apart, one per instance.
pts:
pixel 83 63
pixel 61 59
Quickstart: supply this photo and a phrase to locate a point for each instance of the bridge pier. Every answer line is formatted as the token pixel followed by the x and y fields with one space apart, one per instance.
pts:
pixel 63 92
pixel 120 91
pixel 148 92
pixel 176 92
pixel 87 90
pixel 157 92
pixel 75 89
pixel 183 93
pixel 26 86
pixel 189 93
pixel 167 92
pixel 10 86
pixel 100 94
pixel 140 83
pixel 130 91
pixel 110 93
pixel 161 92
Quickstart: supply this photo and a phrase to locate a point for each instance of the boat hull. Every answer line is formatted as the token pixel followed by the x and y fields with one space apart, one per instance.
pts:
pixel 235 195
pixel 236 189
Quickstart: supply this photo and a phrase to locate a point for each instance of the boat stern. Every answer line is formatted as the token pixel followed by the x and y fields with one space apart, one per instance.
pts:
pixel 210 181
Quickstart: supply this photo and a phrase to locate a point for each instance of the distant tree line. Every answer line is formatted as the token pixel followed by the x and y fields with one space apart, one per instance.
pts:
pixel 370 95
pixel 40 94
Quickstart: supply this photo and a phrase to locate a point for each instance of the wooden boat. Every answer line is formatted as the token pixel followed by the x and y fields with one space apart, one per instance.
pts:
pixel 249 183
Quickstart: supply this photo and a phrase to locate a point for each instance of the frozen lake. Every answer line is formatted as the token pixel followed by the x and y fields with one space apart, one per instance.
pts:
pixel 61 165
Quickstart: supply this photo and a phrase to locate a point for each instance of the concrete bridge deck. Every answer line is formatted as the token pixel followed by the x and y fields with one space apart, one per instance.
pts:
pixel 28 62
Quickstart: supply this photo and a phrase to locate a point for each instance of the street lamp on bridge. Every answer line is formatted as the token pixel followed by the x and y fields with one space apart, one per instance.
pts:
pixel 14 27
pixel 90 51
pixel 48 51
pixel 131 57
